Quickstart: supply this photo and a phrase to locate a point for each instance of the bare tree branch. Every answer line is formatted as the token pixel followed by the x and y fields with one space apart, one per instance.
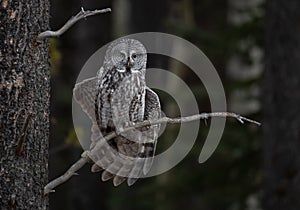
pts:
pixel 82 14
pixel 85 159
pixel 47 34
pixel 66 176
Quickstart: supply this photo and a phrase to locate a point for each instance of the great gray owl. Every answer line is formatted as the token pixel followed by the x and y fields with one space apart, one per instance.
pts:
pixel 118 97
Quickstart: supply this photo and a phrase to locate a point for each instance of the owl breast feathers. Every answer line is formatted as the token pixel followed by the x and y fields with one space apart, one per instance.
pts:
pixel 117 98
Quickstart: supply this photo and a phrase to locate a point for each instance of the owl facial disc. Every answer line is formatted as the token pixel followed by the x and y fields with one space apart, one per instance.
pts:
pixel 127 56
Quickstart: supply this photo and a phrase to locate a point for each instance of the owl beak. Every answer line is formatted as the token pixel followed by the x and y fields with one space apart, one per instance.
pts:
pixel 129 64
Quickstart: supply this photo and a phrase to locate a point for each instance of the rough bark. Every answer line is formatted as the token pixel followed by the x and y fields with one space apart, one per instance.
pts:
pixel 281 106
pixel 24 104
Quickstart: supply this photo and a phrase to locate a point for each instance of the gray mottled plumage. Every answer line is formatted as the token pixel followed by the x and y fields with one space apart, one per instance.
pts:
pixel 118 97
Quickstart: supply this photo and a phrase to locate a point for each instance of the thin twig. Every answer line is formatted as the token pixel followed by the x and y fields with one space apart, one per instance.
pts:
pixel 46 34
pixel 168 120
pixel 67 175
pixel 84 159
pixel 82 14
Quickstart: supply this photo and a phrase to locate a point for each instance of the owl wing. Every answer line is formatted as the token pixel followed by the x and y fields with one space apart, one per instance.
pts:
pixel 85 94
pixel 152 112
pixel 143 148
pixel 130 159
pixel 126 108
pixel 145 138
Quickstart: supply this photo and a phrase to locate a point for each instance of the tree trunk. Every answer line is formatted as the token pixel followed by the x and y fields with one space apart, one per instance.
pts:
pixel 282 100
pixel 24 104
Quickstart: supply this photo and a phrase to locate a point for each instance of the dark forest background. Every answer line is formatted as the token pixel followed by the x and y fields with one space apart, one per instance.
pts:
pixel 231 34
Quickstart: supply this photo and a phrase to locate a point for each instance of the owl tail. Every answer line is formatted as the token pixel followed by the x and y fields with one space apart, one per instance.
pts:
pixel 116 166
pixel 117 178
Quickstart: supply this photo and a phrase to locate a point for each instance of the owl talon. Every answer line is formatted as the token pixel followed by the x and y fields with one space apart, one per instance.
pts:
pixel 120 130
pixel 85 154
pixel 129 124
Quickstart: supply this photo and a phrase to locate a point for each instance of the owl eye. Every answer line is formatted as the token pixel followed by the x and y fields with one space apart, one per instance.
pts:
pixel 133 55
pixel 122 55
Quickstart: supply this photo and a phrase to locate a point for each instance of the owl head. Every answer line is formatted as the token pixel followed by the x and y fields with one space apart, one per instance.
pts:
pixel 126 55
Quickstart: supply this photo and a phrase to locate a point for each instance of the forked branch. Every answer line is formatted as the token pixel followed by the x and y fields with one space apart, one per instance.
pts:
pixel 84 159
pixel 82 14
